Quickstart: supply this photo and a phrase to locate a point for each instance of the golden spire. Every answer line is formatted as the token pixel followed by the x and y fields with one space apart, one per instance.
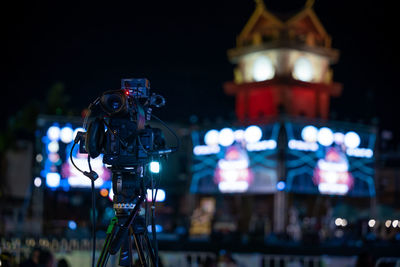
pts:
pixel 309 3
pixel 260 3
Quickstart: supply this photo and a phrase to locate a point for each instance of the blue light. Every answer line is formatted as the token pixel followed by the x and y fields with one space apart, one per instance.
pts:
pixel 159 228
pixel 72 225
pixel 281 185
pixel 66 134
pixel 53 179
pixel 53 133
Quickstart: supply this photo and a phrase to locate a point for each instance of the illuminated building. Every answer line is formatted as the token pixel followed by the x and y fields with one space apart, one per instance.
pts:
pixel 283 75
pixel 283 65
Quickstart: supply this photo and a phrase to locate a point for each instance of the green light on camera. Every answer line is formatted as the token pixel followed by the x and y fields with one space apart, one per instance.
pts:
pixel 155 167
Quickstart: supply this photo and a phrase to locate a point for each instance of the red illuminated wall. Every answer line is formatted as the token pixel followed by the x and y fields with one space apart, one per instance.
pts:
pixel 255 101
pixel 303 102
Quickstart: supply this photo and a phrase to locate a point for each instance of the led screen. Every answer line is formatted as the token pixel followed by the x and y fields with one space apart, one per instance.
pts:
pixel 235 160
pixel 55 140
pixel 329 160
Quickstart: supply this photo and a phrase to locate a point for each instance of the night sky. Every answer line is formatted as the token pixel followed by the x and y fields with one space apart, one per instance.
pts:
pixel 180 46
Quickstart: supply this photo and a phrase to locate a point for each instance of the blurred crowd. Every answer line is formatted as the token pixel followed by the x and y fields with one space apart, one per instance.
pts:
pixel 39 257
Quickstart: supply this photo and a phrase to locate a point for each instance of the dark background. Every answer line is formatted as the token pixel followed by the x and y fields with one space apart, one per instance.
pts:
pixel 181 47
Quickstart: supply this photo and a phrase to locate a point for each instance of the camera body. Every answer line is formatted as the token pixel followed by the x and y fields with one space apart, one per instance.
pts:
pixel 138 143
pixel 120 133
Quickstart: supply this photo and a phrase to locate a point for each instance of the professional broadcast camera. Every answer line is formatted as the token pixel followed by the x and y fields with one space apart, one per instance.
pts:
pixel 128 146
pixel 127 141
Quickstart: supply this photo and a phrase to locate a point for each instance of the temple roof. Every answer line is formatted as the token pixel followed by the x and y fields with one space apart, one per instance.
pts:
pixel 302 27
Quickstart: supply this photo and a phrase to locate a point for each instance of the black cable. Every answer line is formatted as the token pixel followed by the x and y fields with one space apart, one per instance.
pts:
pixel 94 223
pixel 93 176
pixel 93 214
pixel 140 143
pixel 72 159
pixel 153 225
pixel 178 142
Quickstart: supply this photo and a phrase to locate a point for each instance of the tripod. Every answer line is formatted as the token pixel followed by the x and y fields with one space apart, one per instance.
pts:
pixel 127 230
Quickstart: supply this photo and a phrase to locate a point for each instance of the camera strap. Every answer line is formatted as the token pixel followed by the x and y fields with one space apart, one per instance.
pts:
pixel 140 117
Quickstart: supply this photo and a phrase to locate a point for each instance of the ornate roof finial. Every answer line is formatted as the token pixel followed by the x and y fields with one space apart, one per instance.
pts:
pixel 309 3
pixel 260 3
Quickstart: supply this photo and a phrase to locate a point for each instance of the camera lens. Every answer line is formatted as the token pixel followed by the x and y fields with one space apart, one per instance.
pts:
pixel 113 102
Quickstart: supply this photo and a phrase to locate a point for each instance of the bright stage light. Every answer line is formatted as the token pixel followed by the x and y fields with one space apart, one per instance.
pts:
pixel 309 134
pixel 72 225
pixel 53 147
pixel 160 195
pixel 104 192
pixel 338 221
pixel 53 133
pixel 111 194
pixel 206 150
pixel 325 136
pixel 39 158
pixel 338 138
pixel 352 140
pixel 54 157
pixel 53 179
pixel 262 145
pixel 37 181
pixel 371 223
pixel 239 134
pixel 253 134
pixel 281 185
pixel 66 134
pixel 226 137
pixel 158 227
pixel 301 145
pixel 211 137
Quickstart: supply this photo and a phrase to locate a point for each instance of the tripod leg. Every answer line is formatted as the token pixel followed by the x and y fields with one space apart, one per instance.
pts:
pixel 139 249
pixel 150 250
pixel 103 258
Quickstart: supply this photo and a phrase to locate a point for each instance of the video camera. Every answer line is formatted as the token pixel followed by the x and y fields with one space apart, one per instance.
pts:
pixel 121 133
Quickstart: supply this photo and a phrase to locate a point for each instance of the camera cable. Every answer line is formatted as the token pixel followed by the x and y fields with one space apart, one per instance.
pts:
pixel 92 175
pixel 93 214
pixel 173 149
pixel 154 190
